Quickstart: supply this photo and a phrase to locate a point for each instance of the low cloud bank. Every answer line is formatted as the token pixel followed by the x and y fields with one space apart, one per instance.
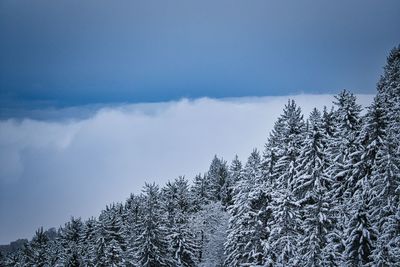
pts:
pixel 53 169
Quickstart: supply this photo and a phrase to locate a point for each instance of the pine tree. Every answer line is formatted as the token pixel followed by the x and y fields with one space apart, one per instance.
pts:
pixel 152 243
pixel 233 176
pixel 217 176
pixel 200 192
pixel 36 252
pixel 361 234
pixel 70 237
pixel 384 121
pixel 248 232
pixel 88 241
pixel 312 187
pixel 115 236
pixel 133 212
pixel 183 242
pixel 114 254
pixel 345 147
pixel 344 151
pixel 291 133
pixel 387 251
pixel 328 122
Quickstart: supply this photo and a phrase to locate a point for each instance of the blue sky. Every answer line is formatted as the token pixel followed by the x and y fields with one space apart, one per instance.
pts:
pixel 69 53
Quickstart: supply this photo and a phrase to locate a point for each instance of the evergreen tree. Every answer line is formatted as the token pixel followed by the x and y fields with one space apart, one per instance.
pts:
pixel 361 234
pixel 200 192
pixel 384 121
pixel 292 133
pixel 133 213
pixel 281 248
pixel 88 242
pixel 344 150
pixel 115 236
pixel 217 176
pixel 70 238
pixel 183 241
pixel 312 187
pixel 152 244
pixel 233 176
pixel 250 212
pixel 36 252
pixel 114 254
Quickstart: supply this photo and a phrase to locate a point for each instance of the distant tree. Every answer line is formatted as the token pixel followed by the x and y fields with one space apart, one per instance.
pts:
pixel 88 242
pixel 200 192
pixel 70 241
pixel 217 176
pixel 36 252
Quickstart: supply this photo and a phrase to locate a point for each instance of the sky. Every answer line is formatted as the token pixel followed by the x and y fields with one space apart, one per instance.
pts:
pixel 97 97
pixel 64 53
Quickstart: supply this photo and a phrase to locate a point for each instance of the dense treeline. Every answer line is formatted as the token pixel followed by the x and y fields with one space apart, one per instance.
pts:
pixel 324 192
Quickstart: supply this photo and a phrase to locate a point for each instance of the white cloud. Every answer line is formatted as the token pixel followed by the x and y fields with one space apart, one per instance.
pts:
pixel 51 170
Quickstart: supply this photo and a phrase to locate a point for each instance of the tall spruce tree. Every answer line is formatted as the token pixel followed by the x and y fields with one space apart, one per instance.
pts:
pixel 217 176
pixel 152 242
pixel 281 248
pixel 248 232
pixel 182 238
pixel 70 240
pixel 36 252
pixel 312 188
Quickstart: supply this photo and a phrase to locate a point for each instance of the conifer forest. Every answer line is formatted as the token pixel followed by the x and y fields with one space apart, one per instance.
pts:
pixel 324 191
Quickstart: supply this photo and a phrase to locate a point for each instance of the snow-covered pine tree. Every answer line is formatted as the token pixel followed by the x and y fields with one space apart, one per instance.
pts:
pixel 182 238
pixel 234 174
pixel 115 237
pixel 387 249
pixel 70 241
pixel 281 248
pixel 36 252
pixel 344 150
pixel 328 122
pixel 114 254
pixel 152 243
pixel 345 147
pixel 200 192
pixel 15 259
pixel 312 187
pixel 384 121
pixel 292 133
pixel 217 176
pixel 235 170
pixel 389 84
pixel 273 150
pixel 360 233
pixel 248 231
pixel 88 241
pixel 133 211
